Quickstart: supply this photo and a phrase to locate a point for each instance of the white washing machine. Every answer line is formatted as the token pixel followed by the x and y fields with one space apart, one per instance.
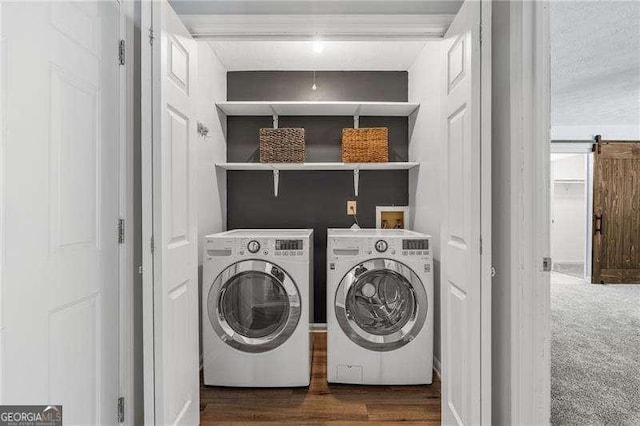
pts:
pixel 379 307
pixel 257 307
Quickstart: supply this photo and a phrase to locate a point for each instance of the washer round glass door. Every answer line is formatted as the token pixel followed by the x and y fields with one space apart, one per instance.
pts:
pixel 254 306
pixel 381 304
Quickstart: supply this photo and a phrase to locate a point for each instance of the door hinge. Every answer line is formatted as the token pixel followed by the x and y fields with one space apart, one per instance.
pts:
pixel 151 37
pixel 493 271
pixel 480 33
pixel 481 246
pixel 546 264
pixel 121 410
pixel 120 231
pixel 121 52
pixel 153 245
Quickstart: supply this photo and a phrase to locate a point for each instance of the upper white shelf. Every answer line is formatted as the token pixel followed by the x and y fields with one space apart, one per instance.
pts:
pixel 394 109
pixel 354 167
pixel 400 165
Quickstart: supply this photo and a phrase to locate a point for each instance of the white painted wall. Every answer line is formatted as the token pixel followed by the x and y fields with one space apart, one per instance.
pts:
pixel 568 208
pixel 585 133
pixel 211 184
pixel 426 84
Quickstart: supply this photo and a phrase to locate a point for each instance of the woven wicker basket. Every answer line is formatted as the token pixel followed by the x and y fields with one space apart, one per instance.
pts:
pixel 367 145
pixel 282 145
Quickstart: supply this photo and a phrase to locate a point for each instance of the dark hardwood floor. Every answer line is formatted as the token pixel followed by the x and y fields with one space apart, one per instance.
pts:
pixel 321 403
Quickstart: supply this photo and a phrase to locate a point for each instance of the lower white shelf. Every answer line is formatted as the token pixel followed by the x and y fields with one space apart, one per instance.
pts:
pixel 355 167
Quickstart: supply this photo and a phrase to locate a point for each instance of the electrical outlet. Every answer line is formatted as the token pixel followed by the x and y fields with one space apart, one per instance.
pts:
pixel 352 208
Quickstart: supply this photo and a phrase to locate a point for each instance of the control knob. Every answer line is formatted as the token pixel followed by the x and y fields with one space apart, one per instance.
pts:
pixel 253 246
pixel 381 246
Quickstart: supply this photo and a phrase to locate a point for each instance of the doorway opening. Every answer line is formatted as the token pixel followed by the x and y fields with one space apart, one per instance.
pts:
pixel 438 119
pixel 594 200
pixel 570 207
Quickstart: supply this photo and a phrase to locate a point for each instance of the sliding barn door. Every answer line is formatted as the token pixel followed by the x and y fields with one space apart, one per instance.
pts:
pixel 616 213
pixel 59 295
pixel 174 346
pixel 461 238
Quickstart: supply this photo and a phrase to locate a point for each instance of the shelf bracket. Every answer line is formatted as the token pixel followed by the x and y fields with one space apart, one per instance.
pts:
pixel 276 181
pixel 275 121
pixel 356 117
pixel 356 180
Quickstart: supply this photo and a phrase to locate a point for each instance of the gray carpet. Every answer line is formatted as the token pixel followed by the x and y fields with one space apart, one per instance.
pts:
pixel 595 353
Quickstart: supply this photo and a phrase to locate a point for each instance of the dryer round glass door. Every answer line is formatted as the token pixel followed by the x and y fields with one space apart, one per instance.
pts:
pixel 381 304
pixel 254 306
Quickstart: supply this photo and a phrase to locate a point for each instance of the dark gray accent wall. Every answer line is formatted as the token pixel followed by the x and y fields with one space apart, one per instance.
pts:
pixel 313 199
pixel 381 86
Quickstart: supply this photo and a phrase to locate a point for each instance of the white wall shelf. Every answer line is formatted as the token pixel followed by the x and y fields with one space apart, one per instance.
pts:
pixel 356 109
pixel 355 167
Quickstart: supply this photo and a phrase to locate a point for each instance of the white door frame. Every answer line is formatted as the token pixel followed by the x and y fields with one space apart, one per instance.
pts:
pixel 146 153
pixel 486 203
pixel 127 178
pixel 530 140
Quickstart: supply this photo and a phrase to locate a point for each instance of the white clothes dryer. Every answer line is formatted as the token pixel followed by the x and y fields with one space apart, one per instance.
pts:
pixel 379 307
pixel 257 305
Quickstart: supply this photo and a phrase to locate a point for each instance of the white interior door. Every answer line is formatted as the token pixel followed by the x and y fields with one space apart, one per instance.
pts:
pixel 60 207
pixel 462 264
pixel 175 255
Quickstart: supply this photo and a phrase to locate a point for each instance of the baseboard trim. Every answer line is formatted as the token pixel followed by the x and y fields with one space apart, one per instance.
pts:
pixel 437 367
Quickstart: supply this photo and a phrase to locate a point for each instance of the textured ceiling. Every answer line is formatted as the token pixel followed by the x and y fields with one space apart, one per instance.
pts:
pixel 297 7
pixel 595 63
pixel 300 55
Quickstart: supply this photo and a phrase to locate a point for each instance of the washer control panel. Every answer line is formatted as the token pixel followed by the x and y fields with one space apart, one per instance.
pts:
pixel 260 247
pixel 382 247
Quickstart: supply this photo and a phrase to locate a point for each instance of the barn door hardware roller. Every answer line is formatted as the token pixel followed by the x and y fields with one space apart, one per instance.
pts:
pixel 597 147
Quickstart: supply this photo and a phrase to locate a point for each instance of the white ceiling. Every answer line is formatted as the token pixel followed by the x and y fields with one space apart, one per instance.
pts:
pixel 300 56
pixel 595 63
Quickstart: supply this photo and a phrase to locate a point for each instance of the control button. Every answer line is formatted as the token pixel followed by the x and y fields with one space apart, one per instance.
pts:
pixel 266 252
pixel 412 252
pixel 278 253
pixel 369 252
pixel 393 251
pixel 285 253
pixel 404 252
pixel 300 253
pixel 241 252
